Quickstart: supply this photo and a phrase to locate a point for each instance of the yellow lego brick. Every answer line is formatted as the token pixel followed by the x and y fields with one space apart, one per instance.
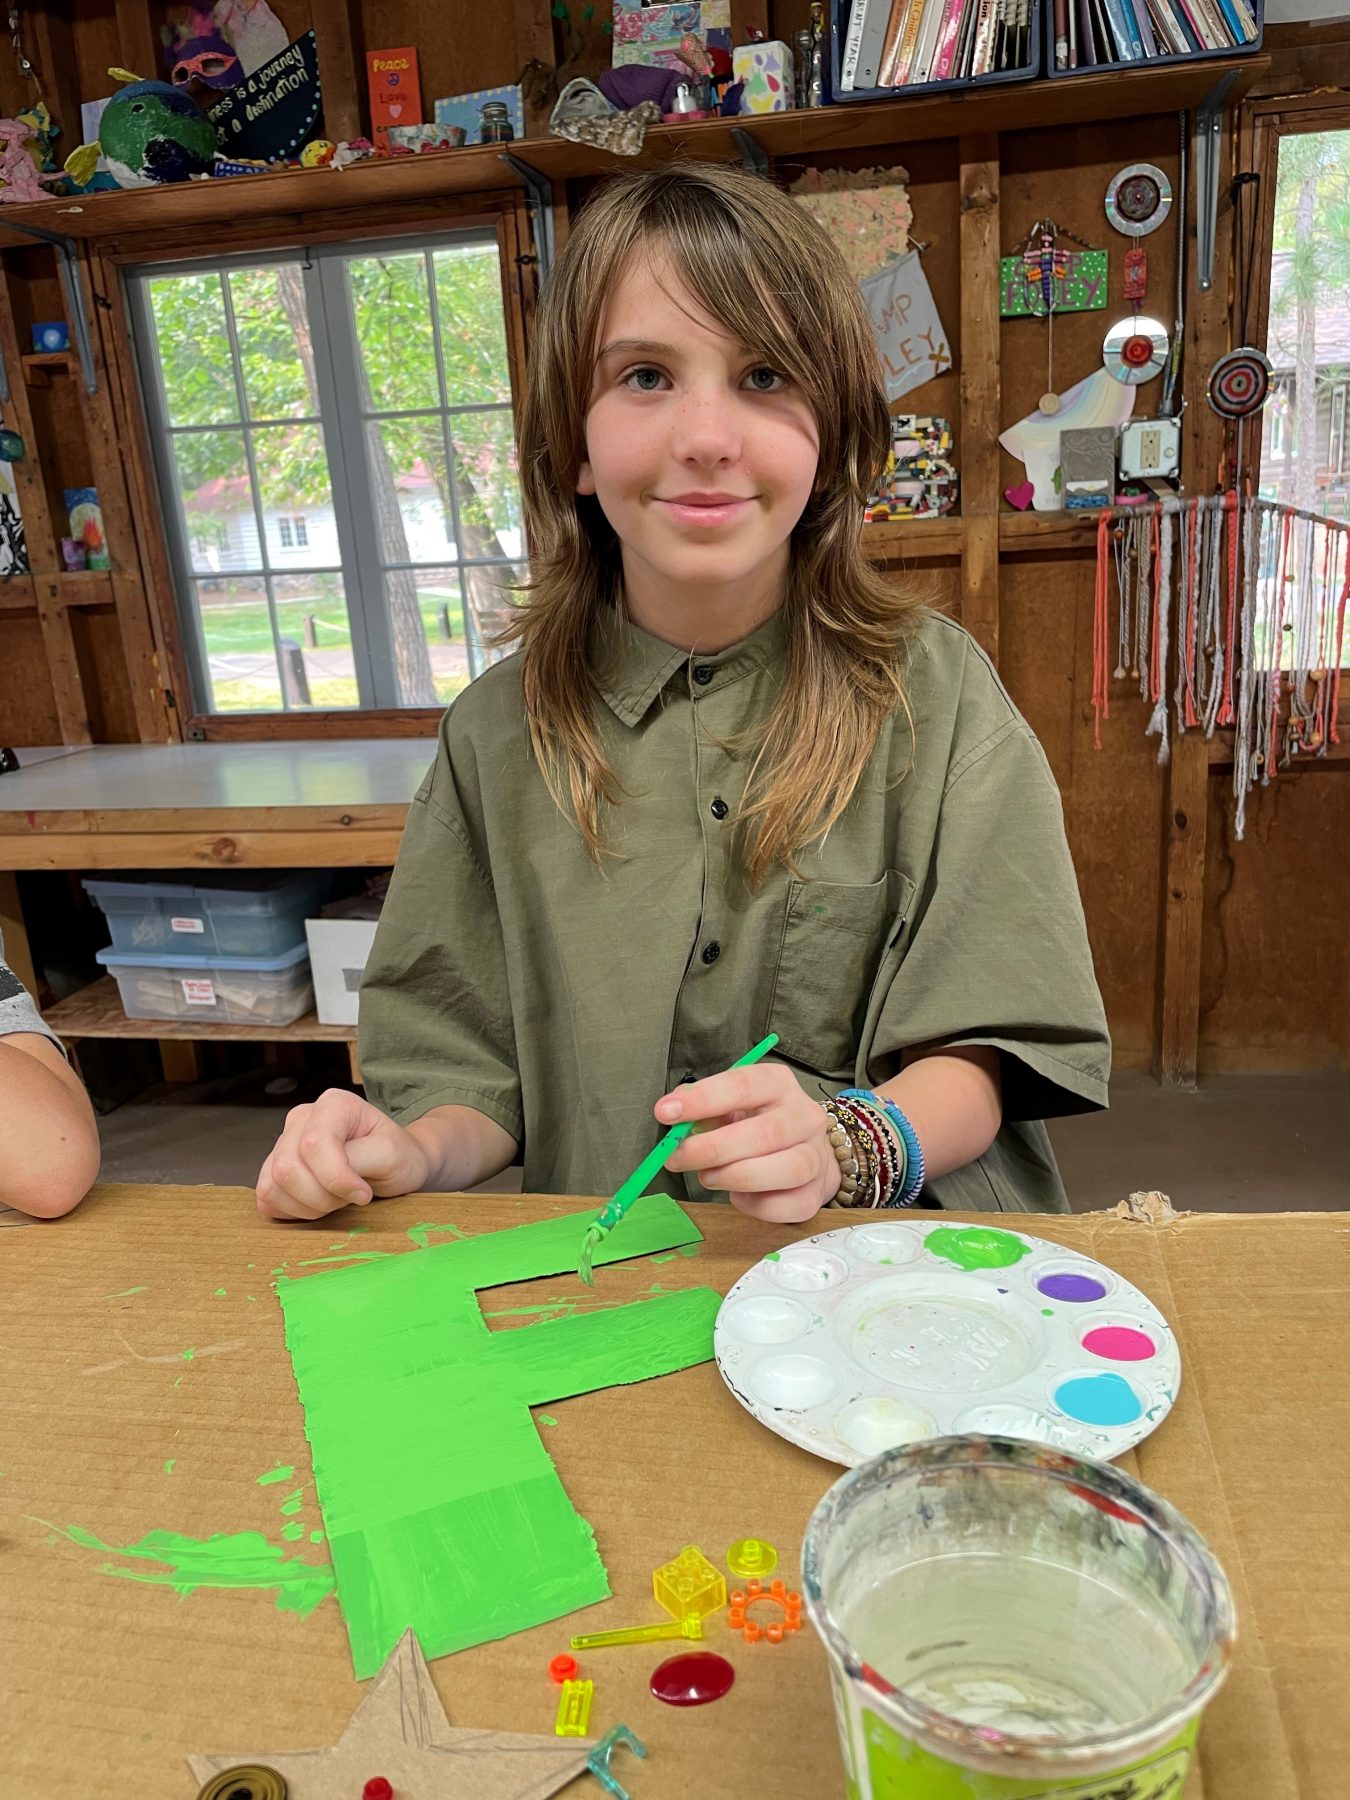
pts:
pixel 574 1709
pixel 690 1584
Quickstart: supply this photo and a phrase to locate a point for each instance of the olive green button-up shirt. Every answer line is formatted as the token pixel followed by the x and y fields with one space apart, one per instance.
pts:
pixel 510 974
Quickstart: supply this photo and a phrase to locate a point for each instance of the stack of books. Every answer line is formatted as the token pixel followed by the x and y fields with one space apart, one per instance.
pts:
pixel 1089 33
pixel 907 44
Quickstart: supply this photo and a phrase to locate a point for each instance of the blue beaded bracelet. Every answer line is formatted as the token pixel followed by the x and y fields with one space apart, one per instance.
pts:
pixel 914 1172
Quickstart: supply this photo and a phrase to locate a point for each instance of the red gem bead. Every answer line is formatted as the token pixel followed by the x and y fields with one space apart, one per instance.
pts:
pixel 693 1679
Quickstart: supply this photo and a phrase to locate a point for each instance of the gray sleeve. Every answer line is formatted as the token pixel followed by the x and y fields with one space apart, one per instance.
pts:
pixel 17 1011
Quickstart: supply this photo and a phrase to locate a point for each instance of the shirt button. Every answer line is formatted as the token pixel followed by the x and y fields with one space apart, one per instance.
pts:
pixel 719 808
pixel 703 674
pixel 711 952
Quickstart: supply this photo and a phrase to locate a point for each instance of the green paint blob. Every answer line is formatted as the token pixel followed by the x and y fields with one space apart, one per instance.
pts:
pixel 1048 1312
pixel 545 1418
pixel 468 1534
pixel 772 1256
pixel 282 1472
pixel 292 1530
pixel 976 1246
pixel 219 1294
pixel 168 1467
pixel 244 1560
pixel 125 1291
pixel 316 1537
pixel 178 1382
pixel 293 1502
pixel 188 1355
pixel 690 1249
pixel 668 1257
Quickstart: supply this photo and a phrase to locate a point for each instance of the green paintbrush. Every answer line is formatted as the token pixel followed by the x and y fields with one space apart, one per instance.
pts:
pixel 647 1171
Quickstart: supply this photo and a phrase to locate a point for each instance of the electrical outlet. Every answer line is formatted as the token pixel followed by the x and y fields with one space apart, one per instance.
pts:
pixel 1150 447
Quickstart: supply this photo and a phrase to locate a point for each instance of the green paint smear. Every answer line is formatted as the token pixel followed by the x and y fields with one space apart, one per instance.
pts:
pixel 442 1508
pixel 282 1472
pixel 316 1537
pixel 168 1467
pixel 342 1256
pixel 293 1502
pixel 976 1246
pixel 188 1355
pixel 772 1256
pixel 125 1291
pixel 421 1234
pixel 292 1530
pixel 219 1294
pixel 545 1419
pixel 244 1560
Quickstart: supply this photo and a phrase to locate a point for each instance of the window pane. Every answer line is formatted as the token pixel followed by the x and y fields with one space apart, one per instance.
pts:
pixel 473 326
pixel 312 616
pixel 217 500
pixel 392 311
pixel 489 598
pixel 194 349
pixel 410 488
pixel 293 477
pixel 275 352
pixel 485 477
pixel 448 653
pixel 241 660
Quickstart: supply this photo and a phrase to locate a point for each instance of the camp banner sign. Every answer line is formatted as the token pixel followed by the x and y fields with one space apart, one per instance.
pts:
pixel 275 113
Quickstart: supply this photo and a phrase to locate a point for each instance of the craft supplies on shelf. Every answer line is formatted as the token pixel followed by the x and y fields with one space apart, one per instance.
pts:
pixel 887 49
pixel 231 914
pixel 1083 37
pixel 222 990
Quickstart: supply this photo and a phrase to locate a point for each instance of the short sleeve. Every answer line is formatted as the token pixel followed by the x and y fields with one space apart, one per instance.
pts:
pixel 18 1011
pixel 435 1016
pixel 996 950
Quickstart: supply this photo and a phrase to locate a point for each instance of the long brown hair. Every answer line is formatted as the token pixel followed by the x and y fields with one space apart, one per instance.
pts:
pixel 769 273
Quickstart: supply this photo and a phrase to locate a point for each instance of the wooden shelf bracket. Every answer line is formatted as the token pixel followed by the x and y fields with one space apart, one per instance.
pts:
pixel 752 151
pixel 540 190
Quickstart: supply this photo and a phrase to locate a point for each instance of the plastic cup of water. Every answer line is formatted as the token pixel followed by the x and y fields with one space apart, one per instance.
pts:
pixel 1008 1622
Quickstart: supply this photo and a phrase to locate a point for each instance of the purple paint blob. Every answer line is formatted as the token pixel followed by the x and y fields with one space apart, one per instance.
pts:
pixel 1076 1288
pixel 693 1679
pixel 1120 1343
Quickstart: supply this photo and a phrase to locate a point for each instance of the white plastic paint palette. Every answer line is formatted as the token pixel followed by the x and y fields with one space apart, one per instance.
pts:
pixel 855 1340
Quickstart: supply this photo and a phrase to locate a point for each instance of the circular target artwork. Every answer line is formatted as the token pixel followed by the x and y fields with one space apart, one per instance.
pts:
pixel 1138 199
pixel 1239 383
pixel 1135 349
pixel 858 1339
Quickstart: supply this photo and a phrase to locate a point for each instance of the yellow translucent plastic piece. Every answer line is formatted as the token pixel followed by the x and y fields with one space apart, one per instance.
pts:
pixel 690 1584
pixel 574 1709
pixel 752 1556
pixel 690 1627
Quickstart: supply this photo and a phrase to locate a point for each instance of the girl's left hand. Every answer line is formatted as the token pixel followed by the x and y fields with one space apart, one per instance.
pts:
pixel 761 1138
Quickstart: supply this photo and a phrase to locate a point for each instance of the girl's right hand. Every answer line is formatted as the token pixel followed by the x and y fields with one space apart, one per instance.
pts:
pixel 341 1151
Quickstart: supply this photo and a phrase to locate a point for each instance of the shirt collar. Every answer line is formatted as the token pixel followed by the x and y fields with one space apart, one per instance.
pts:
pixel 631 667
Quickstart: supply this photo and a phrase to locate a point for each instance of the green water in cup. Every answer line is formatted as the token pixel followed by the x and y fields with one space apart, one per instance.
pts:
pixel 1006 1622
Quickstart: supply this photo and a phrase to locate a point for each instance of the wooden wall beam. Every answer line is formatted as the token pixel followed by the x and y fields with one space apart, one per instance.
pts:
pixel 137 40
pixel 979 234
pixel 51 49
pixel 63 663
pixel 342 67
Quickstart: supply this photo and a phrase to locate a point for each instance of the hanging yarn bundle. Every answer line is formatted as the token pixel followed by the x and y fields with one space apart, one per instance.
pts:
pixel 1236 609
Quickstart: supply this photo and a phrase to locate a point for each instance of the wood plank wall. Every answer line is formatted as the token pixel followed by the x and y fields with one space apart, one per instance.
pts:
pixel 1212 955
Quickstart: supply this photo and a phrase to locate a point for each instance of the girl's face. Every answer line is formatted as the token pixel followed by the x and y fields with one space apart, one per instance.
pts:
pixel 701 456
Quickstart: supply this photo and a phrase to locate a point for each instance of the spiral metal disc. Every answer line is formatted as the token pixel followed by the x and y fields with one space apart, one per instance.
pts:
pixel 250 1781
pixel 1138 199
pixel 1135 349
pixel 1239 383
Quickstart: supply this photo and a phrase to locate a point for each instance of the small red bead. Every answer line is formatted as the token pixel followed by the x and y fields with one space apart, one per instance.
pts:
pixel 377 1788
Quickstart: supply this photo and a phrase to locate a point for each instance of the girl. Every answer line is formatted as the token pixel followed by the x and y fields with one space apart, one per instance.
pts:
pixel 734 781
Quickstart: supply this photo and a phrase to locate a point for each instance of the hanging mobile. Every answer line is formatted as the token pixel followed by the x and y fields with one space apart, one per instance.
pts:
pixel 1044 262
pixel 1138 199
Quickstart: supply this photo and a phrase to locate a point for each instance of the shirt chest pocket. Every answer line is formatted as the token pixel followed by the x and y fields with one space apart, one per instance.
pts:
pixel 837 937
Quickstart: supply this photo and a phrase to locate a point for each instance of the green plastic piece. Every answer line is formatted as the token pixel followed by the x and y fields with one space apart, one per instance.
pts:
pixel 443 1510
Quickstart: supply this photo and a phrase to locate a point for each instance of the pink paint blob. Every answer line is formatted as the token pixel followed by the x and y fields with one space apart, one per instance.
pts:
pixel 693 1679
pixel 1120 1343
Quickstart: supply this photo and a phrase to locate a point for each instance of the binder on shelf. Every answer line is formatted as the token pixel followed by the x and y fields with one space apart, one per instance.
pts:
pixel 1136 34
pixel 890 49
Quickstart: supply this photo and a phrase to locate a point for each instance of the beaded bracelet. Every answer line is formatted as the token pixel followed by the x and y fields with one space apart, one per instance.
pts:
pixel 909 1183
pixel 883 1143
pixel 847 1156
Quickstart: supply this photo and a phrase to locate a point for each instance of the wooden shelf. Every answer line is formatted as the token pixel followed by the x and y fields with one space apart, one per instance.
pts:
pixel 481 168
pixel 900 540
pixel 39 365
pixel 96 1012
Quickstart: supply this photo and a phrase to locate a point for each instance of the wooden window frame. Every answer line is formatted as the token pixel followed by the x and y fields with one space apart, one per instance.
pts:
pixel 505 214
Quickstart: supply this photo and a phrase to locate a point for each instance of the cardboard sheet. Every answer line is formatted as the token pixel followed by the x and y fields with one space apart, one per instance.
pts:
pixel 148 1390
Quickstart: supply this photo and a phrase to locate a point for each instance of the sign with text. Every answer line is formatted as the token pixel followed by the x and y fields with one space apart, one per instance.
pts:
pixel 910 337
pixel 275 113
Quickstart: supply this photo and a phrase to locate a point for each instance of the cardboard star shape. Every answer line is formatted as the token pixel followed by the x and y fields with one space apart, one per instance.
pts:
pixel 400 1731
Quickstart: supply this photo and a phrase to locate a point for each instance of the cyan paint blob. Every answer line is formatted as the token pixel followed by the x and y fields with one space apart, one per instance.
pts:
pixel 1099 1400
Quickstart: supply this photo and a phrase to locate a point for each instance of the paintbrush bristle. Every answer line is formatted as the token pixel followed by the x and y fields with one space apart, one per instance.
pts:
pixel 593 1236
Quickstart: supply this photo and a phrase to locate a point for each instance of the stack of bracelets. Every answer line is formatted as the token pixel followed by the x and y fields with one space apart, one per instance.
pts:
pixel 880 1157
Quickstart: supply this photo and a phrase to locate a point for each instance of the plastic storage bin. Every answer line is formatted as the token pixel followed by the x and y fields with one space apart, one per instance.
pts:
pixel 222 990
pixel 248 915
pixel 1165 59
pixel 839 17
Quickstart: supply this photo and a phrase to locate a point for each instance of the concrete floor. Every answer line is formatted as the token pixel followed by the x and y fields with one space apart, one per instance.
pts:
pixel 1240 1143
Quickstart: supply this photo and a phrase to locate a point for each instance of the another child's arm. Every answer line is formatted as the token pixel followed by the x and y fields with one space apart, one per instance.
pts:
pixel 342 1151
pixel 765 1141
pixel 47 1126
